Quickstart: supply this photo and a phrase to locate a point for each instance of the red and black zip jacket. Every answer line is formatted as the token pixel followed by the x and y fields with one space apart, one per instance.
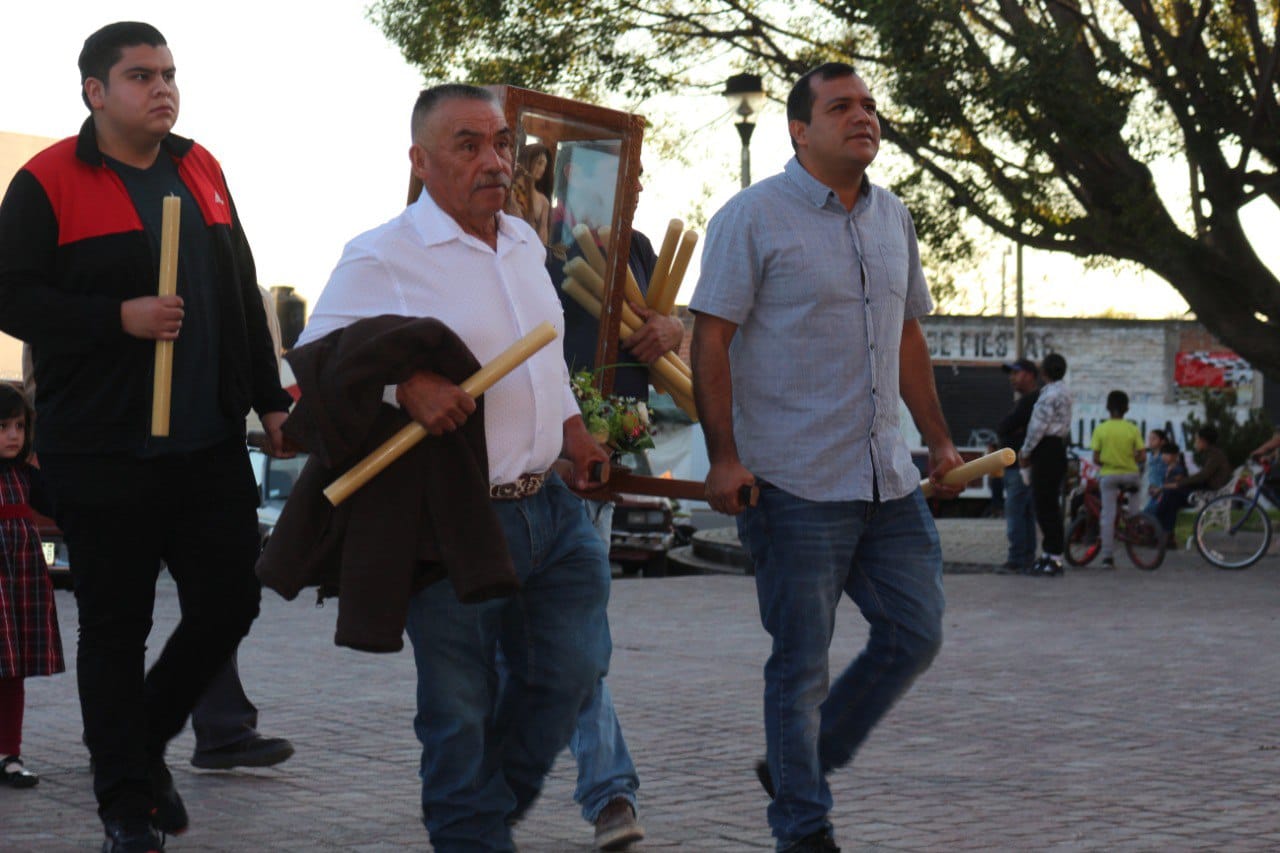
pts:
pixel 72 249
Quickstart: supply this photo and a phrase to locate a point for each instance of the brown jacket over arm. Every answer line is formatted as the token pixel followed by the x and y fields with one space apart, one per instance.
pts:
pixel 424 518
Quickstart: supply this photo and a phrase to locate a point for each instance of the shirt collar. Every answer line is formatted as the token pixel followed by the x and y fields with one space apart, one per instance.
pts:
pixel 437 227
pixel 815 191
pixel 88 151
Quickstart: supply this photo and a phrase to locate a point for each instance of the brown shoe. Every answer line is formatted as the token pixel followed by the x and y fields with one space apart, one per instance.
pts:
pixel 616 826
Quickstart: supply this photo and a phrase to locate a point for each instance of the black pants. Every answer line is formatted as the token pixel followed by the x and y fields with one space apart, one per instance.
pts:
pixel 1048 468
pixel 224 715
pixel 122 518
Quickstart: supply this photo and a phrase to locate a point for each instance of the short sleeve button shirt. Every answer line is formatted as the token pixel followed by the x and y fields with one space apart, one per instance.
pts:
pixel 820 295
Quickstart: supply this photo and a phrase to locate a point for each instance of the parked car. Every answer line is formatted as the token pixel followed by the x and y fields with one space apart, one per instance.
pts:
pixel 643 533
pixel 55 551
pixel 275 478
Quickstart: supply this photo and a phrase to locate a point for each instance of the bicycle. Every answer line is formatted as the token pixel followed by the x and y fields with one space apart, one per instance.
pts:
pixel 1140 532
pixel 1234 531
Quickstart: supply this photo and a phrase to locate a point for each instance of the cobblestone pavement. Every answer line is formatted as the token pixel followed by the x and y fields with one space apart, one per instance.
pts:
pixel 1117 710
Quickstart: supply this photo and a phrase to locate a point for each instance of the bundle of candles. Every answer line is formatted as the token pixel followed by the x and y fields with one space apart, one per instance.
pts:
pixel 585 284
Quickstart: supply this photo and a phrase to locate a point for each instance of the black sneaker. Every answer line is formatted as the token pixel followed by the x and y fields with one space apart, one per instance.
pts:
pixel 1046 567
pixel 169 815
pixel 1051 567
pixel 1107 563
pixel 130 836
pixel 817 842
pixel 257 751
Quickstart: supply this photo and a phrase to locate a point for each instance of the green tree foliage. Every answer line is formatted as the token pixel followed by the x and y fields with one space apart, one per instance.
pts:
pixel 1039 118
pixel 1236 439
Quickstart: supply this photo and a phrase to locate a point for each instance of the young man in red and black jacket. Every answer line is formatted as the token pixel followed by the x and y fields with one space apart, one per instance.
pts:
pixel 79 249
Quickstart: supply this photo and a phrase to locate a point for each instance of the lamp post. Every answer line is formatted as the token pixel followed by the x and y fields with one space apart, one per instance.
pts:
pixel 1019 320
pixel 745 95
pixel 1004 263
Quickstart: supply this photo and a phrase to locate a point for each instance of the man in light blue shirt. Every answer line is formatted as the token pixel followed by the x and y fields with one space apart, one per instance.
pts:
pixel 806 338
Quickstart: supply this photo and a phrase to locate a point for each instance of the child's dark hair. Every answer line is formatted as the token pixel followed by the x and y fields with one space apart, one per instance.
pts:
pixel 1169 447
pixel 1054 366
pixel 1117 403
pixel 13 403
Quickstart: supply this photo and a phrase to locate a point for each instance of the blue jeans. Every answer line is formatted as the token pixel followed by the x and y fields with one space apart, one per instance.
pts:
pixel 605 769
pixel 1019 519
pixel 887 558
pixel 485 750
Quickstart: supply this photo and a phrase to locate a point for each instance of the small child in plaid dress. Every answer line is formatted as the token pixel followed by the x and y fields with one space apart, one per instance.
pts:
pixel 29 640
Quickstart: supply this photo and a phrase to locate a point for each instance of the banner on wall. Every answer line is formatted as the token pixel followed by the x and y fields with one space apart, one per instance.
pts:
pixel 1205 369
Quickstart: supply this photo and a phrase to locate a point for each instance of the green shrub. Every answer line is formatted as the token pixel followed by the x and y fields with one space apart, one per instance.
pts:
pixel 1236 439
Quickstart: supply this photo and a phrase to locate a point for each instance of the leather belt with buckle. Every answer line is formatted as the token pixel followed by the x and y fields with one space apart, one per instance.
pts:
pixel 524 486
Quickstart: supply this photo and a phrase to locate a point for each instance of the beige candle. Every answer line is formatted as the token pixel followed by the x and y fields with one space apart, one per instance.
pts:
pixel 591 252
pixel 633 286
pixel 666 370
pixel 662 269
pixel 678 267
pixel 162 381
pixel 475 385
pixel 630 319
pixel 992 463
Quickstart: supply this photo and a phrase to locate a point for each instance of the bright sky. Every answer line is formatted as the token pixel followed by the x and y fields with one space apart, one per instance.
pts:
pixel 306 104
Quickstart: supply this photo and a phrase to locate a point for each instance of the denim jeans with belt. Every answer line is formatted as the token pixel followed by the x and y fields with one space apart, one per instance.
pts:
pixel 887 558
pixel 485 750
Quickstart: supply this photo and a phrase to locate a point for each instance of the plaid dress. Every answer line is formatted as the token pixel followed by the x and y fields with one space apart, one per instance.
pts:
pixel 29 640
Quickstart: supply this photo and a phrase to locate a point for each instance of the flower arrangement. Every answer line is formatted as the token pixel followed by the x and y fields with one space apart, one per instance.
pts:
pixel 622 423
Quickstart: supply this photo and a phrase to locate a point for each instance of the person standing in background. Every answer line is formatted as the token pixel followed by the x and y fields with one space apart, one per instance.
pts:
pixel 1019 511
pixel 1045 452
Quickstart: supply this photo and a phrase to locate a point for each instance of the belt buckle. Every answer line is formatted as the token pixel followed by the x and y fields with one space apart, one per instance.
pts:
pixel 524 486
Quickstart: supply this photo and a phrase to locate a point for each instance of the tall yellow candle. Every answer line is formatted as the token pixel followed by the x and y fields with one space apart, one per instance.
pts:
pixel 162 387
pixel 676 277
pixel 594 257
pixel 662 268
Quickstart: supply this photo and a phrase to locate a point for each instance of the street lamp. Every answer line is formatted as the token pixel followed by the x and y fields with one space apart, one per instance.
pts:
pixel 745 95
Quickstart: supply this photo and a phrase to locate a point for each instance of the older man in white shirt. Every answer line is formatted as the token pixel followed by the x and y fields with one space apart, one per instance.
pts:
pixel 453 255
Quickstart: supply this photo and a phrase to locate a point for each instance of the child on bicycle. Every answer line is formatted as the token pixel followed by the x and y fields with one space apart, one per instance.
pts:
pixel 1118 452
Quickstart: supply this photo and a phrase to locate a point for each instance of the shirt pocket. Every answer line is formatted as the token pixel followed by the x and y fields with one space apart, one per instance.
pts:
pixel 894 272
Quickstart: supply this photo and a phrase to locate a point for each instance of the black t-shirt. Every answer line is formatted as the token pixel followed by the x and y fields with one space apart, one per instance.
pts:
pixel 196 419
pixel 1013 429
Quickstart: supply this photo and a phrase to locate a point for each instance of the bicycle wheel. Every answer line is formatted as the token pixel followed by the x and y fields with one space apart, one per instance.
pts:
pixel 1083 542
pixel 1145 541
pixel 1232 532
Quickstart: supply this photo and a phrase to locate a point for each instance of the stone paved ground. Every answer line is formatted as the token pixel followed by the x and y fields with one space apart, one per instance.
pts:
pixel 1101 711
